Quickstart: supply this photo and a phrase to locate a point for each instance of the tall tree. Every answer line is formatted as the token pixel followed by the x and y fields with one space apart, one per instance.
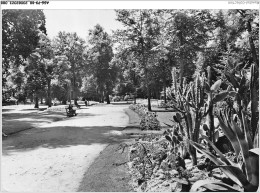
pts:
pixel 89 88
pixel 128 77
pixel 47 56
pixel 249 20
pixel 183 34
pixel 20 36
pixel 36 79
pixel 40 60
pixel 139 38
pixel 99 54
pixel 68 51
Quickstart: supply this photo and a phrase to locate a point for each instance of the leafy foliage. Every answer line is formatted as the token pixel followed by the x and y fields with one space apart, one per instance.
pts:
pixel 68 51
pixel 20 36
pixel 99 55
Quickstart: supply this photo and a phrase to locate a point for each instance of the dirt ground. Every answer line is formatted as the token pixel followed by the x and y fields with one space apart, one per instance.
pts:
pixel 56 156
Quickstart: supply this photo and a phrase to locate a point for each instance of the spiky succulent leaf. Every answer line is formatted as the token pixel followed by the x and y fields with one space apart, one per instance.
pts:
pixel 246 131
pixel 222 157
pixel 244 148
pixel 227 171
pixel 228 132
pixel 213 186
pixel 206 153
pixel 236 174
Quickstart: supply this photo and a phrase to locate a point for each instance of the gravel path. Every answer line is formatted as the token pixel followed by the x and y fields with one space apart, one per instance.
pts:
pixel 56 156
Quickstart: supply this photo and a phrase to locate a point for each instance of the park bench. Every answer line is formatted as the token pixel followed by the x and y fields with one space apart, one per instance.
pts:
pixel 70 111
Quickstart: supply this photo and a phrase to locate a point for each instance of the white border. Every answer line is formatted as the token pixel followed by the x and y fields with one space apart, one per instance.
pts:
pixel 231 4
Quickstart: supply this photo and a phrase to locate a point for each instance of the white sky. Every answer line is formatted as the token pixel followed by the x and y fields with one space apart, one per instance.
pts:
pixel 80 21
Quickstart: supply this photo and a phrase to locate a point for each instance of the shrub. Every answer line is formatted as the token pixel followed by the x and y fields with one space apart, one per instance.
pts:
pixel 148 119
pixel 116 98
pixel 126 98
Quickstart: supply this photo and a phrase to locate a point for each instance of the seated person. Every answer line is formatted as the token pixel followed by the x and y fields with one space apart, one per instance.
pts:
pixel 71 110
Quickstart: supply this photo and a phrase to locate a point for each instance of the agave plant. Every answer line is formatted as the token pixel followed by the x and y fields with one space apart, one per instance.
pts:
pixel 246 174
pixel 245 89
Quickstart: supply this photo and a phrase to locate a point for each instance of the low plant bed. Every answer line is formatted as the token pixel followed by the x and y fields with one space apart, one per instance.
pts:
pixel 149 119
pixel 154 168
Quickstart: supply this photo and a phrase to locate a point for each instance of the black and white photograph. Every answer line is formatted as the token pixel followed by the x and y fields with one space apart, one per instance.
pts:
pixel 128 97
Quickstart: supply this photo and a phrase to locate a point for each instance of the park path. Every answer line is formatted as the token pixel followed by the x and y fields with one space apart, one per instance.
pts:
pixel 54 157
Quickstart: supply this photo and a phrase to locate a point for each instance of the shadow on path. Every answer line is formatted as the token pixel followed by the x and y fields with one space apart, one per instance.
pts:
pixel 18 121
pixel 59 137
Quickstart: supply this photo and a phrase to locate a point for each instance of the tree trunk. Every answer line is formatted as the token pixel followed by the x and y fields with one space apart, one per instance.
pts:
pixel 74 88
pixel 101 97
pixel 76 101
pixel 144 63
pixel 135 85
pixel 164 90
pixel 41 100
pixel 107 92
pixel 107 98
pixel 149 98
pixel 36 102
pixel 251 43
pixel 148 90
pixel 49 93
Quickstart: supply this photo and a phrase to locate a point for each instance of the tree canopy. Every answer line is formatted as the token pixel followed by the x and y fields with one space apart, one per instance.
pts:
pixel 137 59
pixel 20 36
